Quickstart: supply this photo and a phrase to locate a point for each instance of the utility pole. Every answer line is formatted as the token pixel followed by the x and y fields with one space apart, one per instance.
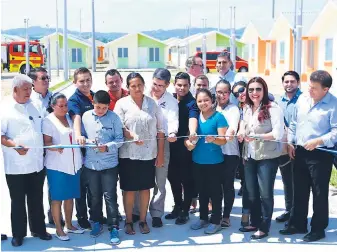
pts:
pixel 204 48
pixel 57 42
pixel 219 16
pixel 65 43
pixel 80 23
pixel 48 57
pixel 190 23
pixel 93 36
pixel 273 10
pixel 299 14
pixel 27 46
pixel 233 39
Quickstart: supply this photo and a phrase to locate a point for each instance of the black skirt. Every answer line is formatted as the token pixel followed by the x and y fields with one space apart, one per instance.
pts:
pixel 137 175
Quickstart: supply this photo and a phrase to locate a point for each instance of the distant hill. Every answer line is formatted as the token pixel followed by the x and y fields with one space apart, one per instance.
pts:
pixel 37 32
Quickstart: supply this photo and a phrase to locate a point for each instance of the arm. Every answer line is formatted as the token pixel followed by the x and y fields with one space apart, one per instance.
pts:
pixel 222 126
pixel 233 121
pixel 330 139
pixel 117 143
pixel 189 145
pixel 173 122
pixel 193 120
pixel 75 113
pixel 160 136
pixel 277 122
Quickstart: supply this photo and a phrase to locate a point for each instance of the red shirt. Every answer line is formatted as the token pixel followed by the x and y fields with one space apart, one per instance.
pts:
pixel 113 99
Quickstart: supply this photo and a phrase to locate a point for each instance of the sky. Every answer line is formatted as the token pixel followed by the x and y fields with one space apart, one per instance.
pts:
pixel 142 15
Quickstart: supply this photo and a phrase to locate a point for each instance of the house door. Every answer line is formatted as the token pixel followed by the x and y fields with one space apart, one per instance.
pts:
pixel 142 57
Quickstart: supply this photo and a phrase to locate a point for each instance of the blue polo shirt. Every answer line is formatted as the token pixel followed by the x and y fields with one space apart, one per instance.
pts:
pixel 78 104
pixel 288 106
pixel 209 153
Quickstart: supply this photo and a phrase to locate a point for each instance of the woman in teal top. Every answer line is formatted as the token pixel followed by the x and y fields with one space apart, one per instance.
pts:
pixel 208 161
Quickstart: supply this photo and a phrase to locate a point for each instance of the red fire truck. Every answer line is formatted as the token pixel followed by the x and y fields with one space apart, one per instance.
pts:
pixel 13 56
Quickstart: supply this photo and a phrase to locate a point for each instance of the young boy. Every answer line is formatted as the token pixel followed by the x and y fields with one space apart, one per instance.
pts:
pixel 104 128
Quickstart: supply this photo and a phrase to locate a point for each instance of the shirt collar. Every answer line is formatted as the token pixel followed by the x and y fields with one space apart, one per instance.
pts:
pixel 145 104
pixel 297 94
pixel 79 93
pixel 326 98
pixel 226 75
pixel 94 113
pixel 186 98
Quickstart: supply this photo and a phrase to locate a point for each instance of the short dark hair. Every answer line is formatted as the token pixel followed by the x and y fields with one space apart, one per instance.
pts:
pixel 33 72
pixel 53 101
pixel 182 76
pixel 223 81
pixel 133 75
pixel 205 91
pixel 322 77
pixel 291 73
pixel 162 74
pixel 224 54
pixel 112 72
pixel 81 70
pixel 201 77
pixel 102 97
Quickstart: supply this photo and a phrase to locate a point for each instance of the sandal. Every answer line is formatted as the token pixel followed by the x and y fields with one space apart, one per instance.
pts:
pixel 225 223
pixel 143 227
pixel 128 228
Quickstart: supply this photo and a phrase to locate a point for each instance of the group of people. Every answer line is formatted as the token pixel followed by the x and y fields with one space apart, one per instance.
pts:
pixel 197 134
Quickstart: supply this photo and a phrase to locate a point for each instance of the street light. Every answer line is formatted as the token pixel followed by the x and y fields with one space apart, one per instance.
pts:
pixel 27 46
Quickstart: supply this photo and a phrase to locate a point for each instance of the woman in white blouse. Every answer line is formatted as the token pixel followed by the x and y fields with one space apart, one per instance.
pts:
pixel 231 149
pixel 62 164
pixel 262 126
pixel 143 123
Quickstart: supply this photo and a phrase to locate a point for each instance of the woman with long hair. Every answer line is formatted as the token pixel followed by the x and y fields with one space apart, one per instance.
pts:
pixel 262 126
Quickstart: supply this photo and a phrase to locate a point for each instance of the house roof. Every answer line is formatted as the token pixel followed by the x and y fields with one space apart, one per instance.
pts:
pixel 10 38
pixel 263 26
pixel 308 19
pixel 97 42
pixel 70 36
pixel 138 33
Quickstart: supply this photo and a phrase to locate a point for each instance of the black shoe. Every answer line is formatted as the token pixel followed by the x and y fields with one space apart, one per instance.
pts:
pixel 182 218
pixel 283 217
pixel 135 218
pixel 174 214
pixel 245 229
pixel 84 224
pixel 3 237
pixel 258 237
pixel 46 236
pixel 17 241
pixel 156 222
pixel 240 192
pixel 314 236
pixel 290 230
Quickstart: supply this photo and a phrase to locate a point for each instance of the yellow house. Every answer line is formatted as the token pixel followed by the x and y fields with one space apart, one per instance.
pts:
pixel 280 43
pixel 321 46
pixel 255 37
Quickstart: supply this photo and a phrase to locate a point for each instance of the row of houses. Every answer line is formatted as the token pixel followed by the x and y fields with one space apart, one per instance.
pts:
pixel 270 43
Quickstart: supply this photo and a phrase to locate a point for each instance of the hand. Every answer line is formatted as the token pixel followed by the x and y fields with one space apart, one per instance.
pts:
pixel 241 136
pixel 135 137
pixel 102 148
pixel 231 134
pixel 160 160
pixel 193 138
pixel 210 139
pixel 291 151
pixel 22 151
pixel 172 138
pixel 60 150
pixel 311 144
pixel 248 139
pixel 190 146
pixel 80 140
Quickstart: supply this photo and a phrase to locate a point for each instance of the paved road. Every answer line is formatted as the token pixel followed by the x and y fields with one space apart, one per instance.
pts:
pixel 179 238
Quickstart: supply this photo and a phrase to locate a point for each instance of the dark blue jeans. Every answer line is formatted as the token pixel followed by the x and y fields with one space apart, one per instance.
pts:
pixel 260 178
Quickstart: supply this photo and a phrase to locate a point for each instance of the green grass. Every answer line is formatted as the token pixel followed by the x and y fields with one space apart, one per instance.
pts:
pixel 333 179
pixel 58 85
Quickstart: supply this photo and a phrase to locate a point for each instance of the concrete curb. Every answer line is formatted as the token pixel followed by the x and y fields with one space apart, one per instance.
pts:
pixel 63 87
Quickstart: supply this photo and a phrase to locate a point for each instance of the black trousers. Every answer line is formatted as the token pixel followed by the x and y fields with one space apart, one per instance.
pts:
pixel 286 167
pixel 312 170
pixel 28 186
pixel 227 182
pixel 180 175
pixel 103 182
pixel 208 179
pixel 81 203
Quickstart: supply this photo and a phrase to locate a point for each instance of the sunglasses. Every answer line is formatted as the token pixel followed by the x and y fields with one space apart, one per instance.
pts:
pixel 43 78
pixel 251 90
pixel 241 90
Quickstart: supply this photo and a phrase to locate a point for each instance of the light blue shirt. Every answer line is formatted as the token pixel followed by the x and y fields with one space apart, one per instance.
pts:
pixel 288 106
pixel 107 130
pixel 209 153
pixel 311 121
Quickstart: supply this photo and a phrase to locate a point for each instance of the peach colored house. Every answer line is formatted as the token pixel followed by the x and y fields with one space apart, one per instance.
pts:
pixel 255 37
pixel 321 45
pixel 280 43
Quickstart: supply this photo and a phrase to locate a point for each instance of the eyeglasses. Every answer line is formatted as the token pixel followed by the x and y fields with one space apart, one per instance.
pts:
pixel 251 90
pixel 222 93
pixel 241 90
pixel 43 78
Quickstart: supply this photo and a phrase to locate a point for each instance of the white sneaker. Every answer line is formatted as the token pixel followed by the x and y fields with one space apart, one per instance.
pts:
pixel 62 237
pixel 76 231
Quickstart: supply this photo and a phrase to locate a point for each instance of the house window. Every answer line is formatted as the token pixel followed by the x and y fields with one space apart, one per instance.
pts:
pixel 282 50
pixel 154 54
pixel 198 49
pixel 76 55
pixel 328 49
pixel 123 52
pixel 253 51
pixel 17 48
pixel 311 53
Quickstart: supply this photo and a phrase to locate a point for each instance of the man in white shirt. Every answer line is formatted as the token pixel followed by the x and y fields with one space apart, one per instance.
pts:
pixel 170 111
pixel 40 95
pixel 21 126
